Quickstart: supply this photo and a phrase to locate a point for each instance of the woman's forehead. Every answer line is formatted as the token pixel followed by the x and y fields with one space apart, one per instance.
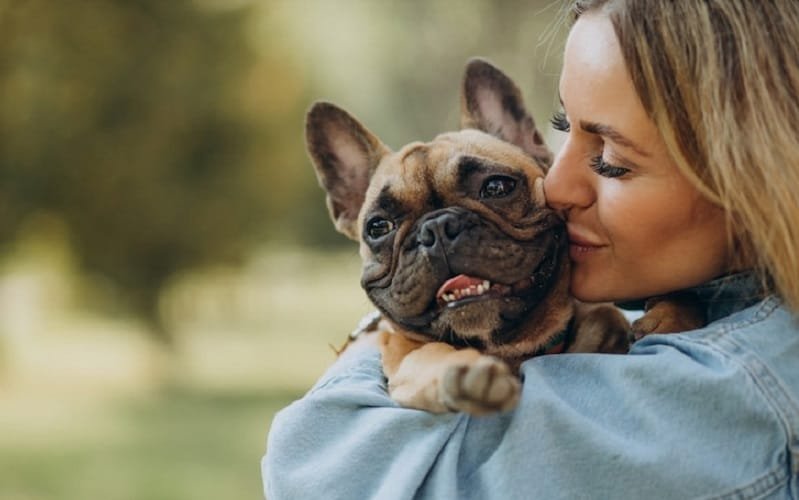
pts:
pixel 597 92
pixel 592 53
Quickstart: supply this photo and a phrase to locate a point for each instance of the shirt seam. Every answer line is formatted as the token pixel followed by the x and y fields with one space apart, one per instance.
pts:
pixel 775 392
pixel 760 488
pixel 771 389
pixel 348 373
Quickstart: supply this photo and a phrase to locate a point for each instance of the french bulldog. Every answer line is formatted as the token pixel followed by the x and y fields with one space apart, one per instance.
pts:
pixel 463 259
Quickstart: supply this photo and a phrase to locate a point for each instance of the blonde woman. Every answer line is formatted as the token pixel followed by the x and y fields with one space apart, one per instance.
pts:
pixel 677 174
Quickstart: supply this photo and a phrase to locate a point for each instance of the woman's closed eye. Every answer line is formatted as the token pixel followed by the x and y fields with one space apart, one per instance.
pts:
pixel 598 164
pixel 605 169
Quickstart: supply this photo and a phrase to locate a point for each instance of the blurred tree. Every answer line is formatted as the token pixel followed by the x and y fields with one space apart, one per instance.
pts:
pixel 397 67
pixel 130 121
pixel 167 134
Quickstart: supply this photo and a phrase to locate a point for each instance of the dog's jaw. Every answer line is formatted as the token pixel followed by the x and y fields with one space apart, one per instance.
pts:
pixel 472 315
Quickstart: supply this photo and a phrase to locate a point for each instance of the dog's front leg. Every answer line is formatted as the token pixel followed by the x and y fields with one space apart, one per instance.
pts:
pixel 677 312
pixel 600 328
pixel 439 378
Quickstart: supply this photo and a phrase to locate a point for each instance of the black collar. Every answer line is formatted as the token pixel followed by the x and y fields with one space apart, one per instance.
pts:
pixel 720 297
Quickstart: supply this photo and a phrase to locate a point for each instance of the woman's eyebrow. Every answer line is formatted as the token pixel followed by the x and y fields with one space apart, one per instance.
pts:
pixel 612 134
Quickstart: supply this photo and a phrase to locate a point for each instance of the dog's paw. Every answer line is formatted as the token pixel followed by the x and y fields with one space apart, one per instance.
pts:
pixel 481 387
pixel 670 314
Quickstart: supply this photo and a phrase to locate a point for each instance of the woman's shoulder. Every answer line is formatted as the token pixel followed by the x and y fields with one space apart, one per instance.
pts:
pixel 767 328
pixel 679 397
pixel 746 361
pixel 766 332
pixel 760 342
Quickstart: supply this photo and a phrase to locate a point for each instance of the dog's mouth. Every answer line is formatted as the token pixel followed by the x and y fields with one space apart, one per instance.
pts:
pixel 464 289
pixel 467 295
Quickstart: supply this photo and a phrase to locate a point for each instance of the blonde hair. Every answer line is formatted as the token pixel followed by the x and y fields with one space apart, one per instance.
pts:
pixel 720 79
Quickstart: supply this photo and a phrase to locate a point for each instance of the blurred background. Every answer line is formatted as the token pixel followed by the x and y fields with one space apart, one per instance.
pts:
pixel 169 277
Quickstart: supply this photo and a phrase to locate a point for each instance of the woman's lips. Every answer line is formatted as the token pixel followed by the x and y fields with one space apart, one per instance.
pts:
pixel 582 247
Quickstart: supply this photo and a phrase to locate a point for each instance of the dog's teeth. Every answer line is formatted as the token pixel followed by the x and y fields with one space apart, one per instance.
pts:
pixel 470 291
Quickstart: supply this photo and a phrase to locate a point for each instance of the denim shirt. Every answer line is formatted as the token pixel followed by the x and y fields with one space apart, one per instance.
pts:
pixel 710 413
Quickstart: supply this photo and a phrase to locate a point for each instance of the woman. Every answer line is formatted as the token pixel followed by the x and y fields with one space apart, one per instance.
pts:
pixel 677 174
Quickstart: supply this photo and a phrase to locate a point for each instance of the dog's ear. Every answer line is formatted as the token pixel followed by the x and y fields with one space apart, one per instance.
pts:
pixel 491 102
pixel 345 155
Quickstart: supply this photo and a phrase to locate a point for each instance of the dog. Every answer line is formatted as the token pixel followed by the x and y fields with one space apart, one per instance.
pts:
pixel 463 259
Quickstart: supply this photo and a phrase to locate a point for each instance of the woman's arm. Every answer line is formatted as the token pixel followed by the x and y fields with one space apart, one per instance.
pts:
pixel 666 421
pixel 347 439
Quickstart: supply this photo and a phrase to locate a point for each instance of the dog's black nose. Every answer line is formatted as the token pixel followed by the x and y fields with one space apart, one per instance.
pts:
pixel 441 229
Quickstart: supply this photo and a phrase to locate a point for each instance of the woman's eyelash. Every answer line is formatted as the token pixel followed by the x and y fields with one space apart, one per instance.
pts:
pixel 605 169
pixel 598 164
pixel 559 122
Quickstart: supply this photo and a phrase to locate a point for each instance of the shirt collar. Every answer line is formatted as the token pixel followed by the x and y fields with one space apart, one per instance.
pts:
pixel 722 296
pixel 729 294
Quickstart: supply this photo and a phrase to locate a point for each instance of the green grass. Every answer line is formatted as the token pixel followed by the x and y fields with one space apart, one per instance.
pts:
pixel 89 409
pixel 182 444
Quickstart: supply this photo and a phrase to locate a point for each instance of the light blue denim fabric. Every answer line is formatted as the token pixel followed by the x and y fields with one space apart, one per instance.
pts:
pixel 711 413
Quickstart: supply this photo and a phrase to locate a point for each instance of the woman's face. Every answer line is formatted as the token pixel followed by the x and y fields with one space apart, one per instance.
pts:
pixel 637 228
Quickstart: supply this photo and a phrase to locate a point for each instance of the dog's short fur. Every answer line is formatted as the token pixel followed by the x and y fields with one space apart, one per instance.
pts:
pixel 461 255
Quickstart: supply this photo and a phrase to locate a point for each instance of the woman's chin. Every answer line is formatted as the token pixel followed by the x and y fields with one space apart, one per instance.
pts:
pixel 593 289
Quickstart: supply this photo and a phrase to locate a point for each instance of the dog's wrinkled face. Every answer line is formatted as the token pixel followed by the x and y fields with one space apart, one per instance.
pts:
pixel 456 239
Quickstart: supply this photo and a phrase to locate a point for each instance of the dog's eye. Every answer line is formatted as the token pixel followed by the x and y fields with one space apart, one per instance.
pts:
pixel 378 227
pixel 497 187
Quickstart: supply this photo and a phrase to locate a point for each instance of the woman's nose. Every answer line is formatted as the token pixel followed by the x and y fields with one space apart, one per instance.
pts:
pixel 567 184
